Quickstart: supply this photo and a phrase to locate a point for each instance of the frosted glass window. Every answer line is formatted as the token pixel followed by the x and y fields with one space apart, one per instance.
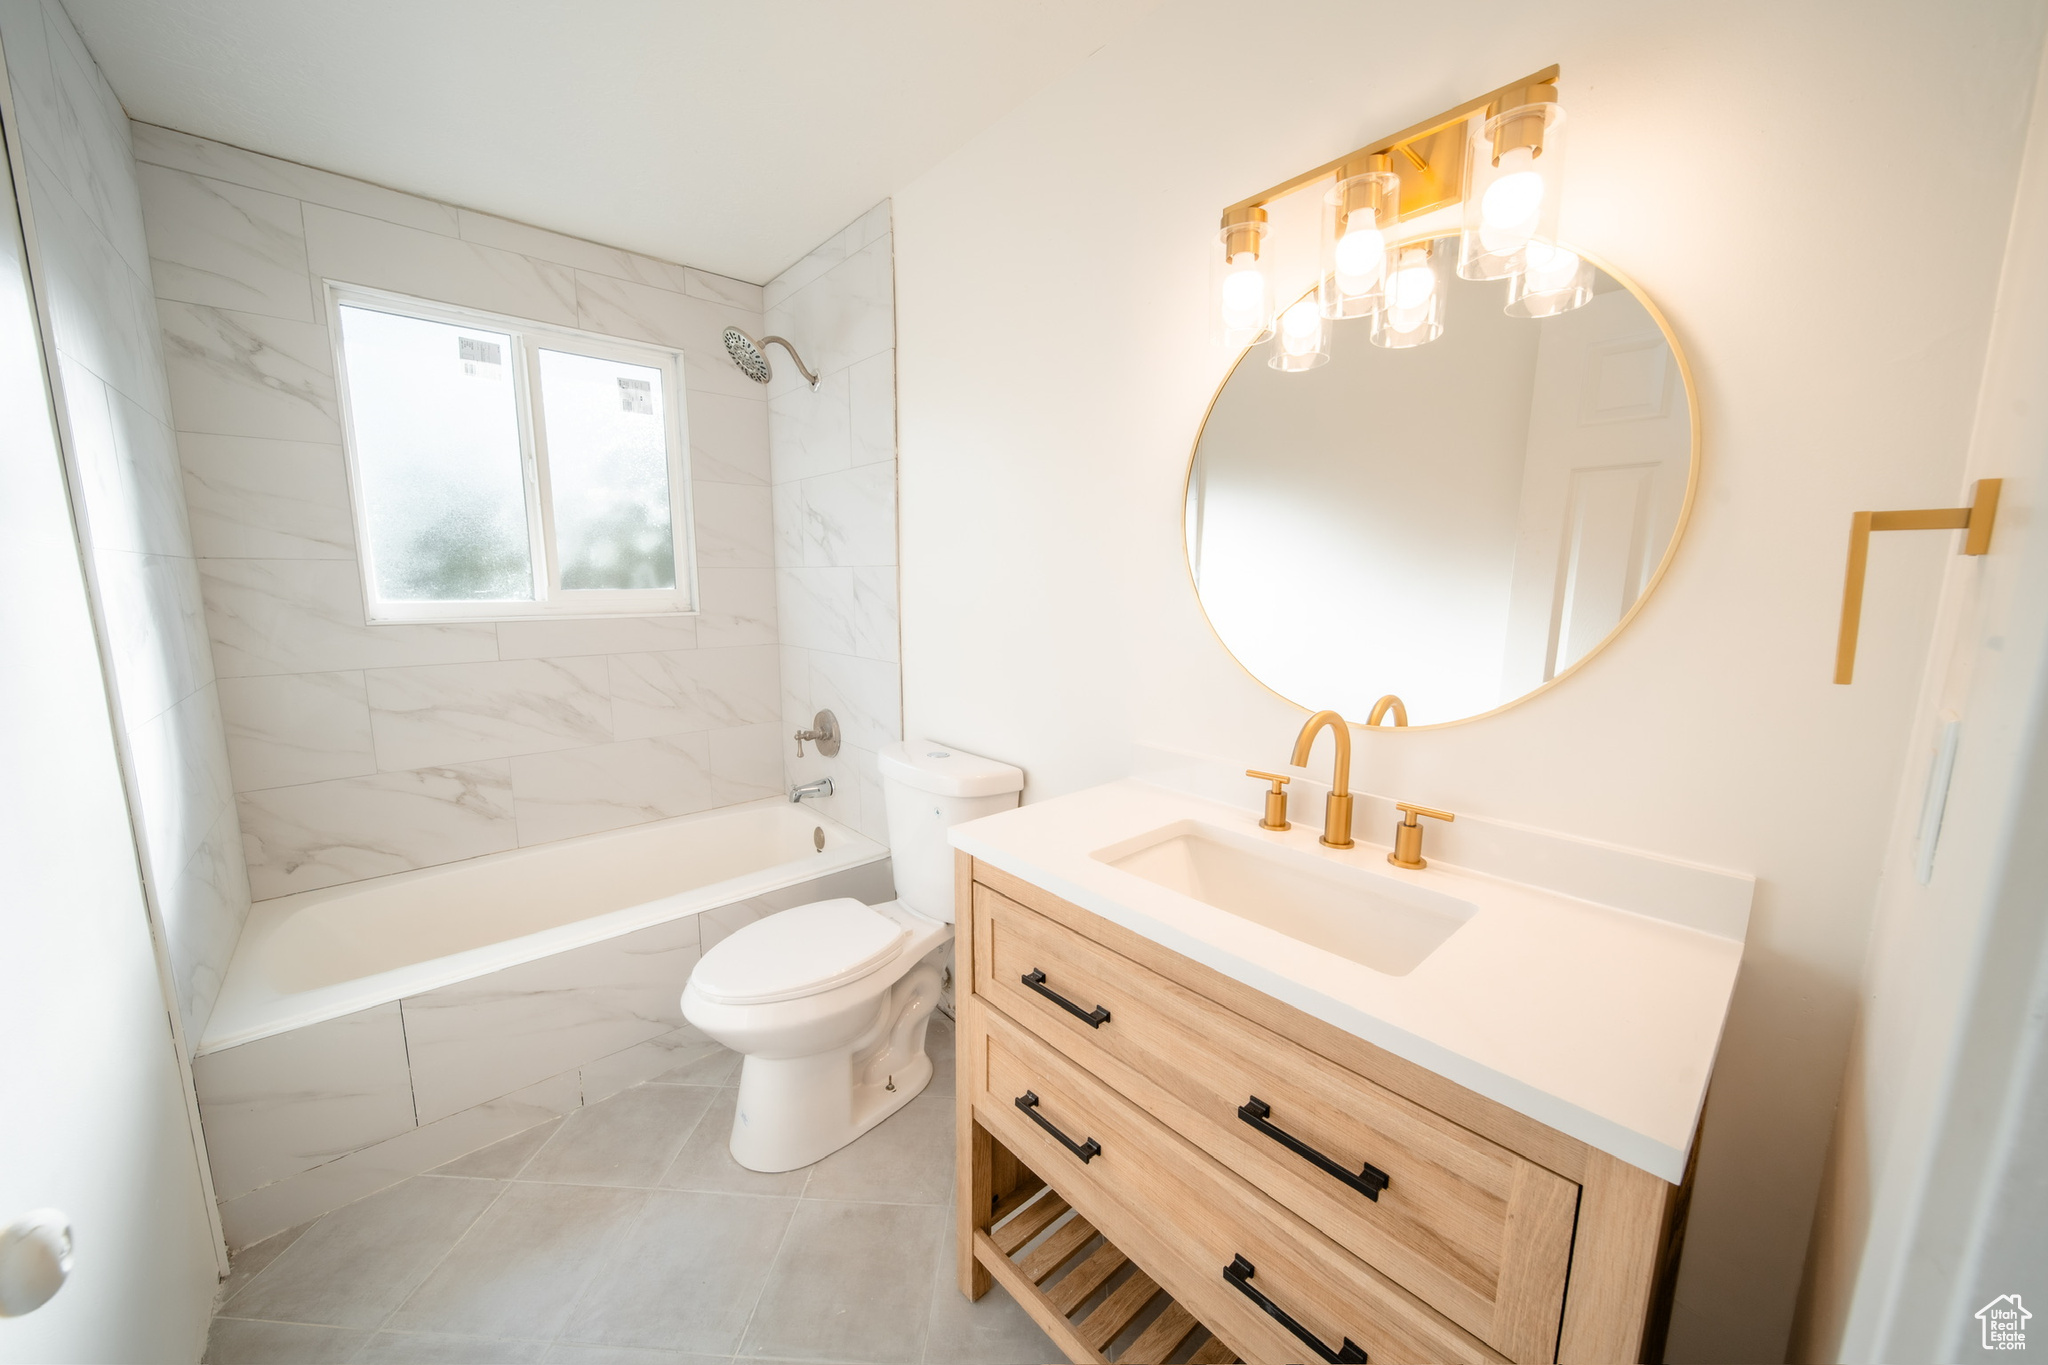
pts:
pixel 504 468
pixel 608 472
pixel 438 462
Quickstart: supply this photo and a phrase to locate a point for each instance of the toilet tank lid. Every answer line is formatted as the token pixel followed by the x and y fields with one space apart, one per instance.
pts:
pixel 797 952
pixel 946 771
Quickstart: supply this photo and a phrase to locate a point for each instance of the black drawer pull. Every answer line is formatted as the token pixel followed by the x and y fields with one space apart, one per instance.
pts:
pixel 1087 1151
pixel 1368 1182
pixel 1239 1272
pixel 1094 1018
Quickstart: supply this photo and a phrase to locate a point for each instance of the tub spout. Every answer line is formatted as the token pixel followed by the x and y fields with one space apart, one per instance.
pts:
pixel 821 787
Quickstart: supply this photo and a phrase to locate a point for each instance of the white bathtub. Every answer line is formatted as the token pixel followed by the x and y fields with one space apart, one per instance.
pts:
pixel 371 1031
pixel 322 954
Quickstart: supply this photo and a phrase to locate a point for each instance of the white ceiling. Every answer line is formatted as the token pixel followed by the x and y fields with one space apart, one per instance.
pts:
pixel 732 136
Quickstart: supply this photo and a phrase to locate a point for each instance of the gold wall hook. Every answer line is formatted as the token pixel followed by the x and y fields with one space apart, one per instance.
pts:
pixel 1976 519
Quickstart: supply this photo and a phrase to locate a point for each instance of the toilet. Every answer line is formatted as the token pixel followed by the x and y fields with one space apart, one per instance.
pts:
pixel 828 1002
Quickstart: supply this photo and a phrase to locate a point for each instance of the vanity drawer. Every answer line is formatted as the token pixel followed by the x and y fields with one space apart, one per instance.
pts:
pixel 1184 1219
pixel 1478 1232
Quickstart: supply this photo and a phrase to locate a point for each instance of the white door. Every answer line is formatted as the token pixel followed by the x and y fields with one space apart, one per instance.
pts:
pixel 92 1113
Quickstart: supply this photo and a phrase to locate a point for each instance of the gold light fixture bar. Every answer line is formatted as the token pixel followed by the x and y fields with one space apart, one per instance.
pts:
pixel 1428 156
pixel 1976 521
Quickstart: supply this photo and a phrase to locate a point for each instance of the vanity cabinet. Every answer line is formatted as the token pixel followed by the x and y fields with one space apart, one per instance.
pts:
pixel 1298 1191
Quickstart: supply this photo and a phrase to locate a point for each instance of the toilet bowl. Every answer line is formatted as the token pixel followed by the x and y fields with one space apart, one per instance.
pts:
pixel 829 1002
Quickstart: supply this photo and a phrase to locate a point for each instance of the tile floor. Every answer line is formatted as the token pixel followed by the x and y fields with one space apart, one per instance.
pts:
pixel 626 1234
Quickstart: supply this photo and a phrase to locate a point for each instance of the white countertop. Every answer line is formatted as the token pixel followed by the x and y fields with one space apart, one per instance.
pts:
pixel 1600 1022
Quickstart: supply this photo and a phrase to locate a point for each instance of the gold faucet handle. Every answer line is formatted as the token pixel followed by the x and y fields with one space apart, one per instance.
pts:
pixel 1276 799
pixel 1408 836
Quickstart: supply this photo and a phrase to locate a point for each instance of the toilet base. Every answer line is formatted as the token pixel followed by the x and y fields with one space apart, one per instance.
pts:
pixel 794 1111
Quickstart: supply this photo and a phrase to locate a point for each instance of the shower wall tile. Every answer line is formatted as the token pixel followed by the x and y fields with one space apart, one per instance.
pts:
pixel 369 251
pixel 683 691
pixel 486 1037
pixel 306 616
pixel 833 458
pixel 288 1103
pixel 610 786
pixel 850 517
pixel 326 833
pixel 287 729
pixel 243 374
pixel 735 528
pixel 738 607
pixel 721 289
pixel 225 245
pixel 729 437
pixel 93 275
pixel 218 161
pixel 746 761
pixel 454 713
pixel 810 432
pixel 360 749
pixel 602 635
pixel 253 498
pixel 573 252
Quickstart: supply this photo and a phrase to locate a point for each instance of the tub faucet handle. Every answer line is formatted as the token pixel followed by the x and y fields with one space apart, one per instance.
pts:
pixel 824 732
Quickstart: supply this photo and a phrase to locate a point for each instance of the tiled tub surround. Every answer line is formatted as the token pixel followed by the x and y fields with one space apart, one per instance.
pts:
pixel 833 455
pixel 356 750
pixel 318 1087
pixel 82 205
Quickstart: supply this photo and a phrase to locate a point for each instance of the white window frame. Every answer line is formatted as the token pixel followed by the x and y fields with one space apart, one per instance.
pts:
pixel 529 338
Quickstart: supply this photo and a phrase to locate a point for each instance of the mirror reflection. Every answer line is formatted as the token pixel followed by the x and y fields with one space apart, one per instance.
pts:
pixel 1457 523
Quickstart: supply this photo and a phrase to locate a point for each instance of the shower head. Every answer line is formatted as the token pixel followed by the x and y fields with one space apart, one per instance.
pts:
pixel 752 356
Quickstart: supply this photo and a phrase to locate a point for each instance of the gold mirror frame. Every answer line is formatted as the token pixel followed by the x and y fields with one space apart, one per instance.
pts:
pixel 1692 484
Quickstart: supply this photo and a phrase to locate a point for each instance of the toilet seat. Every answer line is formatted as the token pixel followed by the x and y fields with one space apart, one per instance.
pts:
pixel 796 953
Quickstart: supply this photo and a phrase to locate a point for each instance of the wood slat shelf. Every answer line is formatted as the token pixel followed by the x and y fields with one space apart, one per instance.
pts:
pixel 1103 1308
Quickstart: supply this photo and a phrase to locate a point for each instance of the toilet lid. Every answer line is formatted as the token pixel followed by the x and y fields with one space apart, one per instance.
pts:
pixel 797 953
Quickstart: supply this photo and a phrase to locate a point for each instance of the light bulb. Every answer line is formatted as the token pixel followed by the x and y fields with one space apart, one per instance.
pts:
pixel 1301 328
pixel 1360 255
pixel 1244 296
pixel 1549 268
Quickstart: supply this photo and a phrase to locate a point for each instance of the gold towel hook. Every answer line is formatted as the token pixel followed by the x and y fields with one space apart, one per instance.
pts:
pixel 1976 520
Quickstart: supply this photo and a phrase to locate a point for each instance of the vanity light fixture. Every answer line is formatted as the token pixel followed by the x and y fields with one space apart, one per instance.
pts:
pixel 1500 157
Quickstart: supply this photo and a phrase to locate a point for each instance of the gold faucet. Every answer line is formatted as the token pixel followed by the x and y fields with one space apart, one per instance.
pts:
pixel 1408 835
pixel 1390 702
pixel 1337 809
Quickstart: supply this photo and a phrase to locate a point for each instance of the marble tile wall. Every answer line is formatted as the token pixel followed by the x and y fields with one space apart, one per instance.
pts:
pixel 83 205
pixel 354 750
pixel 305 1121
pixel 833 457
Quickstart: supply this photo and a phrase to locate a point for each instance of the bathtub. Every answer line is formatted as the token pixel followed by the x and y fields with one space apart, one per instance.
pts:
pixel 369 1031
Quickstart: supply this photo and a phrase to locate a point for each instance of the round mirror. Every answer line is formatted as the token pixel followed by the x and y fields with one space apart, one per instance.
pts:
pixel 1458 524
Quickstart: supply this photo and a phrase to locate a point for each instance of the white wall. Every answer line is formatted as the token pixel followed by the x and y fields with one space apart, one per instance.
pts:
pixel 1055 361
pixel 1936 1192
pixel 358 750
pixel 834 454
pixel 90 1075
pixel 81 192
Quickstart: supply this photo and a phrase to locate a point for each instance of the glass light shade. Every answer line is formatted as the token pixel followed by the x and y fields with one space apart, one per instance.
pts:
pixel 1418 283
pixel 1358 215
pixel 1243 292
pixel 1553 280
pixel 1301 338
pixel 1514 177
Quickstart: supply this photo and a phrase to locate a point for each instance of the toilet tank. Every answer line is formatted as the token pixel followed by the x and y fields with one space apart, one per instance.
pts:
pixel 928 788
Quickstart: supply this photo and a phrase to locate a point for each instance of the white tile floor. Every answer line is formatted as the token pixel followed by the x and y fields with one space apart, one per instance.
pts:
pixel 626 1234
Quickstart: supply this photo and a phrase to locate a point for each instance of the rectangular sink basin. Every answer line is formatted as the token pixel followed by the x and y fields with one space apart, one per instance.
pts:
pixel 1375 921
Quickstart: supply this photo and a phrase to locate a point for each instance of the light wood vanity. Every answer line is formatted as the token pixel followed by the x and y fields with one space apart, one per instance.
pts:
pixel 1389 1213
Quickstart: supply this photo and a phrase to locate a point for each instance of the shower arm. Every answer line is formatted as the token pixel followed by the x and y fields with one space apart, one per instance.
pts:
pixel 802 368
